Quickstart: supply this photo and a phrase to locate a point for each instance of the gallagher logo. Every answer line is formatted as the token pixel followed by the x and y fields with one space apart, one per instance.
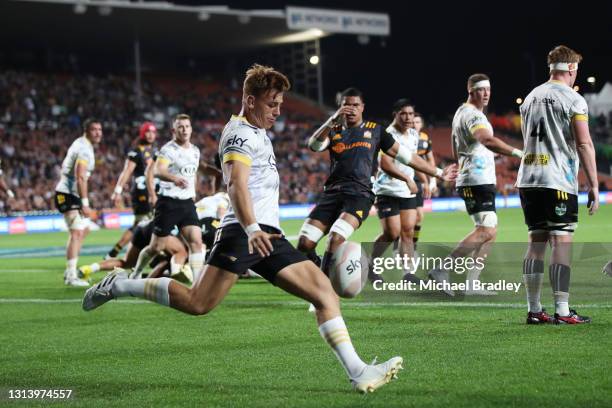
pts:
pixel 341 147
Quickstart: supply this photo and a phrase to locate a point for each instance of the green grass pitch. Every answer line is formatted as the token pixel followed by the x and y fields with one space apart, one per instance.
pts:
pixel 261 348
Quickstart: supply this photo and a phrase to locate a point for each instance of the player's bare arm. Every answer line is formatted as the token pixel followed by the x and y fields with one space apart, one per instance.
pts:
pixel 160 170
pixel 80 171
pixel 449 173
pixel 495 144
pixel 586 152
pixel 211 171
pixel 386 163
pixel 320 138
pixel 240 197
pixel 126 173
pixel 150 180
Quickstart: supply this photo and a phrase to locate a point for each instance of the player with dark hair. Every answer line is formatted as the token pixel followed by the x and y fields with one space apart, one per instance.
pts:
pixel 347 197
pixel 396 190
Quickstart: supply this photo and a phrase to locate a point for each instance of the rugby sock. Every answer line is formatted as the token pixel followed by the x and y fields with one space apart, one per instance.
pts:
pixel 71 267
pixel 559 275
pixel 196 261
pixel 174 267
pixel 417 232
pixel 326 262
pixel 155 290
pixel 95 267
pixel 115 251
pixel 335 333
pixel 144 257
pixel 533 275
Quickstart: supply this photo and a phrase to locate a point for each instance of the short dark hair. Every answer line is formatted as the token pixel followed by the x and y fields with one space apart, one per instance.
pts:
pixel 88 122
pixel 351 91
pixel 401 104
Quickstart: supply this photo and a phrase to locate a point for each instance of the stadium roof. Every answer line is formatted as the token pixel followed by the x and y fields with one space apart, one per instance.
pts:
pixel 83 25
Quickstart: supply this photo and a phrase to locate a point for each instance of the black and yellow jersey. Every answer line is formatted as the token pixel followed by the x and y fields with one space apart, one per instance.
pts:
pixel 353 152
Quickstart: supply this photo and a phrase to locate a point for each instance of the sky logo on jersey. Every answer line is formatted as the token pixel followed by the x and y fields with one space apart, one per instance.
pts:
pixel 235 140
pixel 188 170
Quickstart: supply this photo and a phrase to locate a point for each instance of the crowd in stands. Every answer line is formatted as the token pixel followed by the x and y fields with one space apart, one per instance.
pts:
pixel 41 114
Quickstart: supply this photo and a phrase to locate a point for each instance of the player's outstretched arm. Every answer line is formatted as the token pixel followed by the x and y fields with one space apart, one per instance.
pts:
pixel 238 191
pixel 126 173
pixel 495 144
pixel 386 163
pixel 586 152
pixel 405 156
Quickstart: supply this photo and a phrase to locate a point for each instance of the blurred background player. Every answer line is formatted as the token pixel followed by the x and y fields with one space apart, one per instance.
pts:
pixel 395 190
pixel 3 186
pixel 427 186
pixel 210 211
pixel 347 196
pixel 173 256
pixel 556 135
pixel 138 158
pixel 474 145
pixel 71 195
pixel 176 167
pixel 250 237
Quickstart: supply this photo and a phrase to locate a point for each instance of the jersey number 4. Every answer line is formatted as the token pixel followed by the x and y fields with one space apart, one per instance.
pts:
pixel 539 131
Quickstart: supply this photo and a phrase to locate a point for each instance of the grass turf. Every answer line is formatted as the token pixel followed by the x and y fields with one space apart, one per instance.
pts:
pixel 261 347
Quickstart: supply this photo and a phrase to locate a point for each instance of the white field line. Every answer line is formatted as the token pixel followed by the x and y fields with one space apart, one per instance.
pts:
pixel 348 305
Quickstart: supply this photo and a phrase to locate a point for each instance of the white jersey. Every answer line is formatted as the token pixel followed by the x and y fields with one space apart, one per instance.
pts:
pixel 476 162
pixel 80 151
pixel 182 162
pixel 208 207
pixel 550 158
pixel 243 142
pixel 386 184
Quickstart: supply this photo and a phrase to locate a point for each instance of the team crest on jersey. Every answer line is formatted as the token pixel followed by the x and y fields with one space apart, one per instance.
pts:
pixel 338 136
pixel 367 134
pixel 560 209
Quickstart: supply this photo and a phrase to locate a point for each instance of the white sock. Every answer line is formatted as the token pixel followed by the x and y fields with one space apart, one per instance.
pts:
pixel 196 262
pixel 174 267
pixel 95 267
pixel 144 257
pixel 561 303
pixel 71 267
pixel 155 290
pixel 335 333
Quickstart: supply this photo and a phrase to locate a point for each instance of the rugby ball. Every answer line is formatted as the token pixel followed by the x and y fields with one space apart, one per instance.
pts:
pixel 348 270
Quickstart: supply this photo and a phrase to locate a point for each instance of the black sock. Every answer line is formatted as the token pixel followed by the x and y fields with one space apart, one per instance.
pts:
pixel 115 251
pixel 312 255
pixel 326 262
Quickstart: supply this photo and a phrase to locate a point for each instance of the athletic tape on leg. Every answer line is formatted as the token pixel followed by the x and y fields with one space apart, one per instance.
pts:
pixel 485 219
pixel 342 228
pixel 311 232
